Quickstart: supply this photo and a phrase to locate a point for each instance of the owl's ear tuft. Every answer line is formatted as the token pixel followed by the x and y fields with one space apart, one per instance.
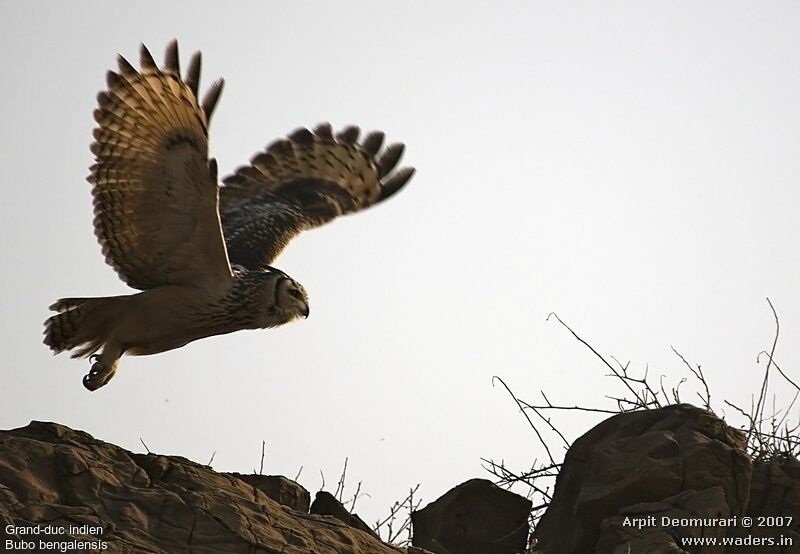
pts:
pixel 276 271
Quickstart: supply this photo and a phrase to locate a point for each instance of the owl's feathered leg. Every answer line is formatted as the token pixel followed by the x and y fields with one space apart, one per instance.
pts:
pixel 103 368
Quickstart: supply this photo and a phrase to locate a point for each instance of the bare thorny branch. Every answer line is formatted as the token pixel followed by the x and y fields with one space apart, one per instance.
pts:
pixel 779 439
pixel 263 448
pixel 392 527
pixel 524 413
pixel 698 373
pixel 769 435
pixel 340 486
pixel 388 525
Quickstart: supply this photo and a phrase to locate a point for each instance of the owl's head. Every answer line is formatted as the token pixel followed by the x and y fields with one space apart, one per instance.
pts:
pixel 291 300
pixel 267 297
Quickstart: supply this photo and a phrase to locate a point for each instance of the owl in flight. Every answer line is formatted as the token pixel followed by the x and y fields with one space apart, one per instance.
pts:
pixel 200 252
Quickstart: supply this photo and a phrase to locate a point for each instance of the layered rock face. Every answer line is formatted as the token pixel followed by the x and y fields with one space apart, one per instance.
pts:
pixel 618 485
pixel 90 492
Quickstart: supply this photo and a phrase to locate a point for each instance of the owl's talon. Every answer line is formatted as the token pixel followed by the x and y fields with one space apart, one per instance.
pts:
pixel 98 375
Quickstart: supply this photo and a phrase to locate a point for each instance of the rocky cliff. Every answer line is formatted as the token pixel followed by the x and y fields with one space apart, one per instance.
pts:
pixel 671 480
pixel 675 479
pixel 75 493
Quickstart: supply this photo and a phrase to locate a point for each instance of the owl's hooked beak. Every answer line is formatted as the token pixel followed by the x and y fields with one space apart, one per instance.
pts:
pixel 306 312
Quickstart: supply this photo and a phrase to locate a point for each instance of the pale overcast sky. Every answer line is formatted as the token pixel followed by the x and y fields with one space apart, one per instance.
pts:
pixel 632 166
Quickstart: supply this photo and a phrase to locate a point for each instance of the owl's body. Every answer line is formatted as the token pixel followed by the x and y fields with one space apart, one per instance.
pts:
pixel 200 253
pixel 169 317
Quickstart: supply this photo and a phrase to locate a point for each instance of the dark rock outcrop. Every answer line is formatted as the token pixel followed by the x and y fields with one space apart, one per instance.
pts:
pixel 325 504
pixel 649 481
pixel 282 490
pixel 88 490
pixel 774 505
pixel 619 534
pixel 476 517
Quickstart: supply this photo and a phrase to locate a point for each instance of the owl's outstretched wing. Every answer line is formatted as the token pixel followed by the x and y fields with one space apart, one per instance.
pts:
pixel 155 190
pixel 302 182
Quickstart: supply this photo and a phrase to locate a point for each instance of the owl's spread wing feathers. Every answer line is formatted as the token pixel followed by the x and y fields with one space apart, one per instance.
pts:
pixel 159 213
pixel 302 182
pixel 155 190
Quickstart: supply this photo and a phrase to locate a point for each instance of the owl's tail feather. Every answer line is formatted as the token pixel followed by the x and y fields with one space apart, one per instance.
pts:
pixel 81 322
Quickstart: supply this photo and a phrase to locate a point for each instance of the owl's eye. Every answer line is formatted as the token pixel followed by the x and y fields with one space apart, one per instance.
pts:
pixel 296 293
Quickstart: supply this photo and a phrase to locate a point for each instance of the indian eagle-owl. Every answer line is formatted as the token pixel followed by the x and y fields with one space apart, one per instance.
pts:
pixel 200 252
